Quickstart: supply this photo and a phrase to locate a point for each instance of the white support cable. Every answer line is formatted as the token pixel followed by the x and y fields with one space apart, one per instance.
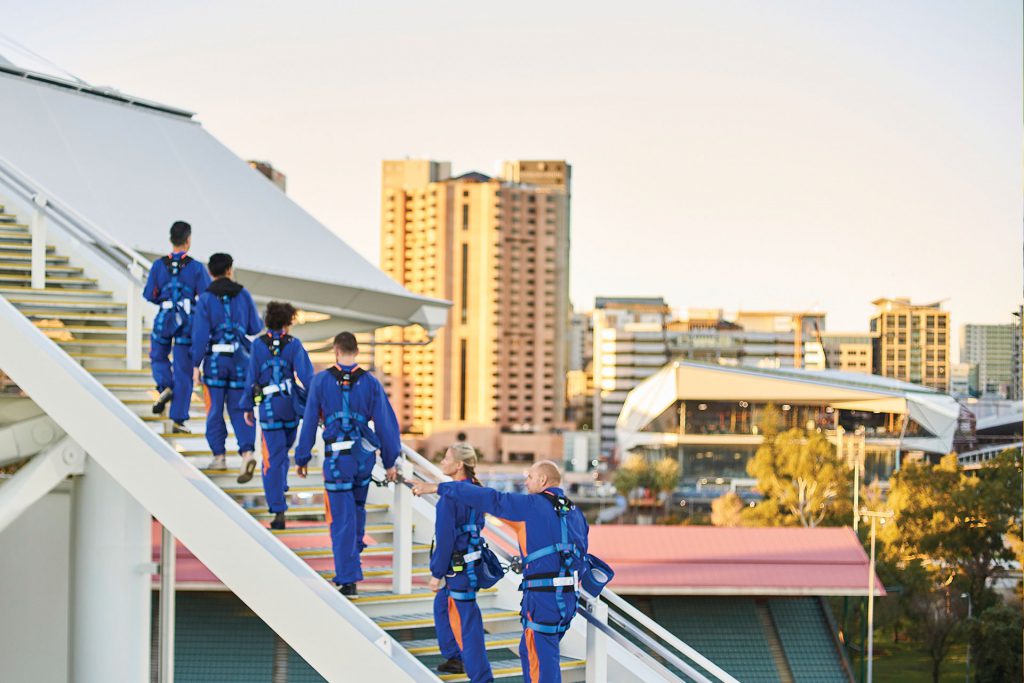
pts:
pixel 38 477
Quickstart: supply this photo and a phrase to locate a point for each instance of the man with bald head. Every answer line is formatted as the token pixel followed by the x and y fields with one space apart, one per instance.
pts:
pixel 552 537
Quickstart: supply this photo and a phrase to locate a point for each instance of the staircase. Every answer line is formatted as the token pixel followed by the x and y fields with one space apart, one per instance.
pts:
pixel 91 327
pixel 764 616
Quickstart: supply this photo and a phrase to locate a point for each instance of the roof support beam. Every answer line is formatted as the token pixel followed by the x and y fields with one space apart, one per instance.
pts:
pixel 38 478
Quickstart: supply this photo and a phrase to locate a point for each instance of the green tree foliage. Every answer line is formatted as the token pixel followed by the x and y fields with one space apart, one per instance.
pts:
pixel 727 510
pixel 800 477
pixel 633 474
pixel 936 623
pixel 995 644
pixel 665 479
pixel 953 523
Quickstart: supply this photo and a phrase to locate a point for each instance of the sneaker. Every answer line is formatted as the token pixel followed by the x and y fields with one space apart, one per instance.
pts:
pixel 452 666
pixel 348 589
pixel 219 462
pixel 180 428
pixel 161 401
pixel 248 467
pixel 278 521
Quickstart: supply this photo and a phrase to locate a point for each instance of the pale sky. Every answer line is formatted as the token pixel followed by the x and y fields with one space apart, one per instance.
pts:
pixel 791 154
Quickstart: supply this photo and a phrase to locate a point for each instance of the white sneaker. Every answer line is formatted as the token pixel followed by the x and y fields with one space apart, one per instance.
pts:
pixel 219 462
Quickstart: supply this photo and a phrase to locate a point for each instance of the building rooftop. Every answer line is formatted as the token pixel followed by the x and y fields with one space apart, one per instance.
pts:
pixel 699 560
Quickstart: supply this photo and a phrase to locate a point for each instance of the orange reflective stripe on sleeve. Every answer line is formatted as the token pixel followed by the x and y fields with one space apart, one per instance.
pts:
pixel 455 620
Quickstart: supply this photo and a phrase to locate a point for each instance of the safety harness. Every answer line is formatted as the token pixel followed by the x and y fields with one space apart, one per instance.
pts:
pixel 350 431
pixel 225 340
pixel 567 576
pixel 178 305
pixel 280 383
pixel 467 560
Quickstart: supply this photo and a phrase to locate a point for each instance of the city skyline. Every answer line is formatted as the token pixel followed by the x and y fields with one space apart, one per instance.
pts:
pixel 746 175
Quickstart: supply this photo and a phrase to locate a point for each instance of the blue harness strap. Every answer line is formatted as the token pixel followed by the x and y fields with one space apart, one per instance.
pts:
pixel 227 332
pixel 566 578
pixel 468 560
pixel 348 433
pixel 178 292
pixel 281 373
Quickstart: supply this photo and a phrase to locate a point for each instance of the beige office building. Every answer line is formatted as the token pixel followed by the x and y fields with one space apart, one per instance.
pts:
pixel 911 342
pixel 498 249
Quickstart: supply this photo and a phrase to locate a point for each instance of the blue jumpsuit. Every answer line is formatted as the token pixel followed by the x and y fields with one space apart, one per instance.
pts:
pixel 273 376
pixel 173 325
pixel 225 359
pixel 349 463
pixel 539 526
pixel 457 620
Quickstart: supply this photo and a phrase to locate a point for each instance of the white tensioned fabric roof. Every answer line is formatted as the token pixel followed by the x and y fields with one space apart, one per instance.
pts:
pixel 134 168
pixel 682 380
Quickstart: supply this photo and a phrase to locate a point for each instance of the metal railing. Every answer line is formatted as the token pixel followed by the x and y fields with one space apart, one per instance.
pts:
pixel 610 615
pixel 127 263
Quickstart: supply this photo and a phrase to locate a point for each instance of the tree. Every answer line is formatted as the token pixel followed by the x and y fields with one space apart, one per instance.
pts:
pixel 727 510
pixel 995 644
pixel 936 625
pixel 799 475
pixel 665 479
pixel 953 523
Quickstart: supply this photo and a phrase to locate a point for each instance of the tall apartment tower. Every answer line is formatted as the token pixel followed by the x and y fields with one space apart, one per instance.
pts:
pixel 498 249
pixel 990 349
pixel 911 342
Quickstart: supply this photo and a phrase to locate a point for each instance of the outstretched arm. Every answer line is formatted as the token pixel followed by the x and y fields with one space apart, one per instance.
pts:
pixel 512 506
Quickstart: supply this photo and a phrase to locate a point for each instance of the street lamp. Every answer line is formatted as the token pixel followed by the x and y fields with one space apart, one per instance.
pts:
pixel 881 518
pixel 967 662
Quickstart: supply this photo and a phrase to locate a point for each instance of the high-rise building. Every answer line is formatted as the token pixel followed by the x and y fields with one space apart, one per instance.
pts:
pixel 498 249
pixel 990 349
pixel 630 344
pixel 579 385
pixel 910 342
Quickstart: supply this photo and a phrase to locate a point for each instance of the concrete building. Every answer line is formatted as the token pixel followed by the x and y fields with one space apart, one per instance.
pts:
pixel 630 344
pixel 707 416
pixel 911 342
pixel 990 349
pixel 579 381
pixel 499 250
pixel 961 377
pixel 847 351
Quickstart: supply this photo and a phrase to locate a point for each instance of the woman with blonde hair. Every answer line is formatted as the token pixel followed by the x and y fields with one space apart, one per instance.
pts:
pixel 456 556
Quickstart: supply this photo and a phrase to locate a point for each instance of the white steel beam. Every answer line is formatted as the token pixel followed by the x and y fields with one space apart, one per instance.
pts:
pixel 25 438
pixel 38 477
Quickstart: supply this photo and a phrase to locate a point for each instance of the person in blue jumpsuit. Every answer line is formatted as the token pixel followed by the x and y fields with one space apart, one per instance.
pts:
pixel 277 378
pixel 346 399
pixel 225 314
pixel 457 620
pixel 174 283
pixel 553 542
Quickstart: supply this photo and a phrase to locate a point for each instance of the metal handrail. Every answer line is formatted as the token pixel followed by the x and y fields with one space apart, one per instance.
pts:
pixel 134 263
pixel 610 597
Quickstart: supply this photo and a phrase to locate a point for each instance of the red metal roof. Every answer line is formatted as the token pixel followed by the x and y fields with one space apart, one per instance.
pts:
pixel 700 560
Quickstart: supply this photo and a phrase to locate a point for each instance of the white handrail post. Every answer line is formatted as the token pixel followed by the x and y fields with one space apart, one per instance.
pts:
pixel 401 517
pixel 38 232
pixel 597 644
pixel 133 326
pixel 168 552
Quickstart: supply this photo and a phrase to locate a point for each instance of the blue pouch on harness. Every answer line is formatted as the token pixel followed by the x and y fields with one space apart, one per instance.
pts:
pixel 595 576
pixel 488 570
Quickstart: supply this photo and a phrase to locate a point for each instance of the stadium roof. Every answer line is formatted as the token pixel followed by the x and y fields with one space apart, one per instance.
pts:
pixel 702 560
pixel 133 167
pixel 937 413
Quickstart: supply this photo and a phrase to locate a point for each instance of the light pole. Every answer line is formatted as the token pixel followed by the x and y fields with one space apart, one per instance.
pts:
pixel 881 518
pixel 967 663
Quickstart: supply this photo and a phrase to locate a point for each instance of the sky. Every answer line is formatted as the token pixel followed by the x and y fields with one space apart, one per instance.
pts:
pixel 796 154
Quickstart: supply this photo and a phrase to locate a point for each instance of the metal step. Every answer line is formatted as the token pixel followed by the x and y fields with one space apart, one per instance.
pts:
pixel 297 510
pixel 380 572
pixel 72 305
pixel 380 549
pixel 426 619
pixel 572 670
pixel 20 257
pixel 317 529
pixel 493 641
pixel 18 266
pixel 40 313
pixel 22 248
pixel 83 290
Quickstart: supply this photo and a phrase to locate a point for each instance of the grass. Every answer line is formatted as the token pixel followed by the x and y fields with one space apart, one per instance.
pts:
pixel 907 662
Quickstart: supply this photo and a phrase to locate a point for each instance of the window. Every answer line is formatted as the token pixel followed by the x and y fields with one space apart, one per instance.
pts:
pixel 465 216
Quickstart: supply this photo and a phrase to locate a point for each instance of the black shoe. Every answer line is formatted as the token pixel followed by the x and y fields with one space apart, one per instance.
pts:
pixel 161 401
pixel 278 521
pixel 180 428
pixel 452 666
pixel 348 589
